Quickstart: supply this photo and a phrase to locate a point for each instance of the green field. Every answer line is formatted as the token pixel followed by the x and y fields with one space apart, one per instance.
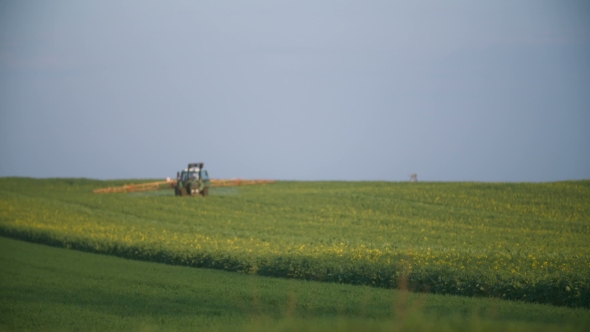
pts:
pixel 53 289
pixel 518 241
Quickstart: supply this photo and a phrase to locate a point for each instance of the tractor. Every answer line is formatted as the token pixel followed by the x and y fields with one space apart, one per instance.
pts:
pixel 192 181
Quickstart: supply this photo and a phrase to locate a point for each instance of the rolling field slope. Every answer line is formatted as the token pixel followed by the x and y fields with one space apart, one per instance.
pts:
pixel 519 241
pixel 53 289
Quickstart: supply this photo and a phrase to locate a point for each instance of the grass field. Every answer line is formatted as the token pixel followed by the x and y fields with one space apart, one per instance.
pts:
pixel 52 289
pixel 519 241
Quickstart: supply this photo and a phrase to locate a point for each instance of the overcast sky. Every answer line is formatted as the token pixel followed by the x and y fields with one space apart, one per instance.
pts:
pixel 296 90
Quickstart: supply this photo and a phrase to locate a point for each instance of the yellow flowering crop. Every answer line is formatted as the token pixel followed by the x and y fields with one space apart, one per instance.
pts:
pixel 518 241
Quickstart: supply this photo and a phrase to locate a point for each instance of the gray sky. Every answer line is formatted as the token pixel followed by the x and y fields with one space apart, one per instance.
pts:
pixel 302 90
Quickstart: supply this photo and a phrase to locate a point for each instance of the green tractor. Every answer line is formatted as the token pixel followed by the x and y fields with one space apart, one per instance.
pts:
pixel 192 181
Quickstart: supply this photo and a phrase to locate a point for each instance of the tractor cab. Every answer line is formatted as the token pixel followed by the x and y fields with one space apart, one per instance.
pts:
pixel 193 180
